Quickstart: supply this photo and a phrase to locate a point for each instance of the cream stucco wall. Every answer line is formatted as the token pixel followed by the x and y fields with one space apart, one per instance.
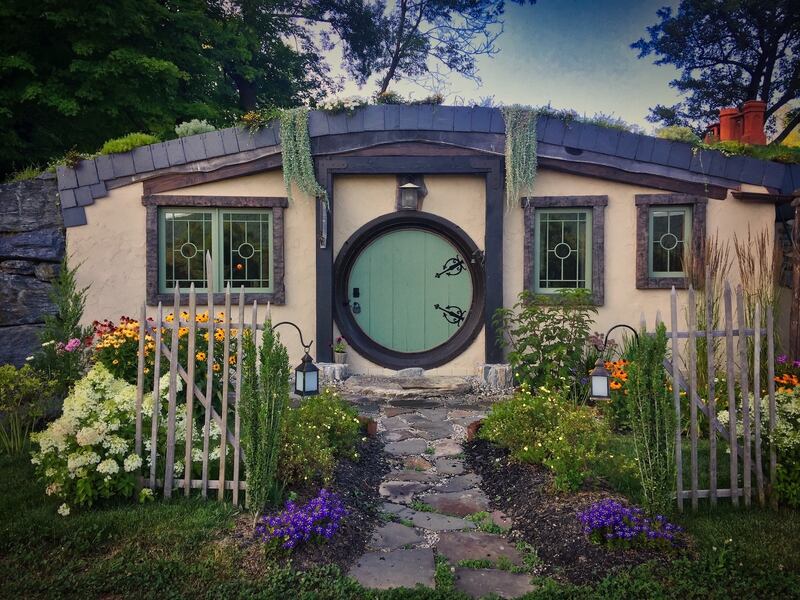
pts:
pixel 111 252
pixel 111 248
pixel 360 198
pixel 623 302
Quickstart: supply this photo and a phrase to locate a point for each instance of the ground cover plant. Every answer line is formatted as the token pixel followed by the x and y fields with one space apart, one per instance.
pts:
pixel 24 395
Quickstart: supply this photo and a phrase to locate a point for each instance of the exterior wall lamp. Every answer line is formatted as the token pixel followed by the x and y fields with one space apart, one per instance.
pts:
pixel 409 196
pixel 600 375
pixel 306 374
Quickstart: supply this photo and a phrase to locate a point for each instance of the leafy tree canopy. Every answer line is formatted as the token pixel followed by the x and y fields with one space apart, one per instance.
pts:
pixel 728 51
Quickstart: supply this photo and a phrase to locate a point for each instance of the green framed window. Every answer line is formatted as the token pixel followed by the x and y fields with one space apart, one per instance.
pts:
pixel 669 235
pixel 562 249
pixel 240 241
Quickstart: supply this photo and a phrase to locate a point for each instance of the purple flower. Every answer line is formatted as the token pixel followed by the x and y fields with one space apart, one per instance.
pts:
pixel 781 359
pixel 319 517
pixel 796 364
pixel 610 521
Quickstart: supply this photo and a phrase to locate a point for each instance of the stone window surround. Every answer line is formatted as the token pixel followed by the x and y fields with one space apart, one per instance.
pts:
pixel 597 204
pixel 644 202
pixel 276 204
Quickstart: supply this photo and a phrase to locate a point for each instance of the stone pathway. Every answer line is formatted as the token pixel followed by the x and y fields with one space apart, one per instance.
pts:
pixel 430 495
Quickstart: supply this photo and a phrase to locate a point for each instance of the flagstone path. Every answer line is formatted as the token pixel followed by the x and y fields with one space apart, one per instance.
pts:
pixel 429 493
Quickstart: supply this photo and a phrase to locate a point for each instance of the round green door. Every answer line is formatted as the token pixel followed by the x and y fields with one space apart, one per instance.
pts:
pixel 410 290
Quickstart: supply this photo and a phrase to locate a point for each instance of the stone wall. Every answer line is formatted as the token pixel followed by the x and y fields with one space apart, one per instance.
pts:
pixel 31 248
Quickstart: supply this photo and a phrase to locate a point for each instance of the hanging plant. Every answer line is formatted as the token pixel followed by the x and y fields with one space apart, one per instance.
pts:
pixel 298 165
pixel 520 151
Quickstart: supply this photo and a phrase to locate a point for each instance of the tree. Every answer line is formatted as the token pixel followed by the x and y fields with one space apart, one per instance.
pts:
pixel 728 51
pixel 419 36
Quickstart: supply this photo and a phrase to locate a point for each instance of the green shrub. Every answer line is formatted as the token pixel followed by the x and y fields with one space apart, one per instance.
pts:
pixel 26 174
pixel 62 356
pixel 128 142
pixel 193 127
pixel 678 133
pixel 264 396
pixel 23 397
pixel 652 420
pixel 546 428
pixel 322 429
pixel 547 338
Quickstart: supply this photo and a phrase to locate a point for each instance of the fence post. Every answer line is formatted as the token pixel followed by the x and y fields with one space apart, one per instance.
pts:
pixel 712 400
pixel 190 369
pixel 757 401
pixel 156 399
pixel 209 373
pixel 676 397
pixel 730 378
pixel 238 396
pixel 692 389
pixel 169 455
pixel 745 390
pixel 225 374
pixel 140 381
pixel 773 457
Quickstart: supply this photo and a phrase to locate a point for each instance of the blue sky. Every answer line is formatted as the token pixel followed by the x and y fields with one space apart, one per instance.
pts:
pixel 573 54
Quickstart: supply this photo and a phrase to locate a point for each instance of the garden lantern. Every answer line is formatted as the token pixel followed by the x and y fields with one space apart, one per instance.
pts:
pixel 306 377
pixel 409 196
pixel 599 376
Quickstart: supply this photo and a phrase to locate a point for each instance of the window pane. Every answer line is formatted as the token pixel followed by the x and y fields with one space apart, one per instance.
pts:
pixel 246 249
pixel 562 260
pixel 187 238
pixel 668 228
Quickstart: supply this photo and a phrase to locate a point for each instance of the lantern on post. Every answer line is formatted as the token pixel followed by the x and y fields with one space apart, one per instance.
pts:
pixel 599 376
pixel 409 196
pixel 306 374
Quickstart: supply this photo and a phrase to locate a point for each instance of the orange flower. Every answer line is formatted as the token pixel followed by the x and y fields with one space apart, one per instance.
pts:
pixel 616 385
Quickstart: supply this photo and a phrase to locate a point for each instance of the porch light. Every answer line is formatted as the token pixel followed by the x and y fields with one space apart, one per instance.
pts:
pixel 306 377
pixel 409 196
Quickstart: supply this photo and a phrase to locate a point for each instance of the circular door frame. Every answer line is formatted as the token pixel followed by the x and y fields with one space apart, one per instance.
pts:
pixel 366 346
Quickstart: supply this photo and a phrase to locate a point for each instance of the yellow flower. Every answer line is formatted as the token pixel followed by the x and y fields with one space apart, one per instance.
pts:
pixel 200 356
pixel 232 360
pixel 216 367
pixel 115 361
pixel 169 318
pixel 146 370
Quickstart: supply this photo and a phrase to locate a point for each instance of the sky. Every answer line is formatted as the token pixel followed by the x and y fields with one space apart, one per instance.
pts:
pixel 572 54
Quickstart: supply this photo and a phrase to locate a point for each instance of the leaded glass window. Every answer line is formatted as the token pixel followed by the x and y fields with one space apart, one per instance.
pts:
pixel 563 249
pixel 669 232
pixel 240 242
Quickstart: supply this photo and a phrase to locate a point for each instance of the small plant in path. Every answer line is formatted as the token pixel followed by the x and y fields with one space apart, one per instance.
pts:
pixel 420 506
pixel 321 517
pixel 610 522
pixel 483 520
pixel 445 575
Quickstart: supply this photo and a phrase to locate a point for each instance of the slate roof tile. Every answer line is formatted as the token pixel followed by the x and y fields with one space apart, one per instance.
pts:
pixel 67 179
pixel 374 118
pixel 159 155
pixel 86 170
pixel 193 148
pixel 213 144
pixel 122 164
pixel 229 142
pixel 175 153
pixel 143 159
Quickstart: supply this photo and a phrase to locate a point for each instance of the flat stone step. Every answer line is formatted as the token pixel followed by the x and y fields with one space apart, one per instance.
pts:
pixel 394 535
pixel 406 447
pixel 401 491
pixel 475 545
pixel 459 504
pixel 417 463
pixel 460 483
pixel 394 569
pixel 477 583
pixel 398 435
pixel 413 475
pixel 446 448
pixel 437 522
pixel 434 431
pixel 449 466
pixel 406 387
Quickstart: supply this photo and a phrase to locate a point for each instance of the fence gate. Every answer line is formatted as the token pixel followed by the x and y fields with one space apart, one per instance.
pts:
pixel 217 401
pixel 745 446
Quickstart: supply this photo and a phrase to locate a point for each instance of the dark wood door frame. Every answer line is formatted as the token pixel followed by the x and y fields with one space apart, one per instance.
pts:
pixel 490 167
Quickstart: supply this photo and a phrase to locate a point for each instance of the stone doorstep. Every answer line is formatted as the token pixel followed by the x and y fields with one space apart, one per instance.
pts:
pixel 477 583
pixel 394 569
pixel 475 545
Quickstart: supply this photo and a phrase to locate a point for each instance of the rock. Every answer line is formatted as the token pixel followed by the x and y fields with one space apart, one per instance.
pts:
pixel 332 372
pixel 42 244
pixel 410 446
pixel 418 476
pixel 435 431
pixel 413 403
pixel 437 522
pixel 406 387
pixel 450 466
pixel 392 411
pixel 398 568
pixel 18 342
pixel 417 463
pixel 501 519
pixel 401 491
pixel 18 267
pixel 435 415
pixel 472 429
pixel 475 545
pixel 47 271
pixel 25 300
pixel 394 423
pixel 477 583
pixel 392 508
pixel 410 372
pixel 369 425
pixel 497 377
pixel 394 535
pixel 459 483
pixel 398 435
pixel 447 448
pixel 29 205
pixel 459 504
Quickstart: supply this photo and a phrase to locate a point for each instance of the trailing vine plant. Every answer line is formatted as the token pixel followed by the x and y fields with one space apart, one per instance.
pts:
pixel 520 150
pixel 298 166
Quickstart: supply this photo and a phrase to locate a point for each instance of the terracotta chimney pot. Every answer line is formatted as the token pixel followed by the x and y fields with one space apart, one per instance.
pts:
pixel 754 122
pixel 728 124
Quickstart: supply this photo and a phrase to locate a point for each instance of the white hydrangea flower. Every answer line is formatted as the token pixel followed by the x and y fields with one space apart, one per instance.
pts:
pixel 108 467
pixel 89 436
pixel 63 510
pixel 132 462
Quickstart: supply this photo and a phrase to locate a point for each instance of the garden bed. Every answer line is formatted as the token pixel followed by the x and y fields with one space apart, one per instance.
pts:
pixel 548 520
pixel 356 483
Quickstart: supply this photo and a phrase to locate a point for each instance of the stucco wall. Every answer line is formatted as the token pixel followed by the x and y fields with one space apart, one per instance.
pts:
pixel 360 198
pixel 624 303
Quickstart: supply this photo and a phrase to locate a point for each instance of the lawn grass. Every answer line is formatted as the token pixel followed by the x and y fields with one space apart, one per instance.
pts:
pixel 180 549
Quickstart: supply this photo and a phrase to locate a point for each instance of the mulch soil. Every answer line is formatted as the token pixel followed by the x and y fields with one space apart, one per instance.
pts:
pixel 356 483
pixel 548 520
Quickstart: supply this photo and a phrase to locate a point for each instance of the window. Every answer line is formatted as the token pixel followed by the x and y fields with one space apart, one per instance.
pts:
pixel 668 226
pixel 669 232
pixel 239 241
pixel 243 234
pixel 564 244
pixel 563 258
